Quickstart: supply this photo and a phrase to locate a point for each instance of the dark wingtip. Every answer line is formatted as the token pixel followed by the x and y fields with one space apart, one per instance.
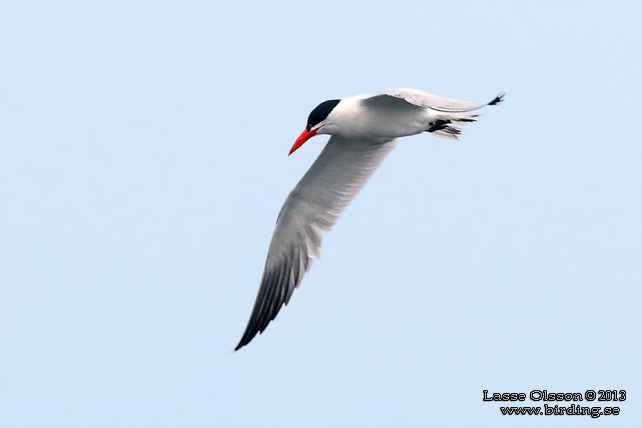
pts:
pixel 241 344
pixel 498 99
pixel 244 341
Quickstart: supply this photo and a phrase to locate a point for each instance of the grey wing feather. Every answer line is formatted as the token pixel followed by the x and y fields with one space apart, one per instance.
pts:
pixel 313 207
pixel 437 103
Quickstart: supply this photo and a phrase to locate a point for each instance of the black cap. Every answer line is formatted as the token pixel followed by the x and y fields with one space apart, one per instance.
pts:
pixel 320 113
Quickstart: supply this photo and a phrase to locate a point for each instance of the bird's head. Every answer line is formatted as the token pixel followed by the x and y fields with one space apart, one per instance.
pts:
pixel 318 119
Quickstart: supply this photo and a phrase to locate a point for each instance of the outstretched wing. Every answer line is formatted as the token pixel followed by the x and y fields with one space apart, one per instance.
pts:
pixel 313 207
pixel 446 112
pixel 434 102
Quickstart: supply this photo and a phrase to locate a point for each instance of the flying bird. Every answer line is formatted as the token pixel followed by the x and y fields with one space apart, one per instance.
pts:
pixel 363 130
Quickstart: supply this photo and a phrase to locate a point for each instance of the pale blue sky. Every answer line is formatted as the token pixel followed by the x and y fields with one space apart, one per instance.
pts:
pixel 143 164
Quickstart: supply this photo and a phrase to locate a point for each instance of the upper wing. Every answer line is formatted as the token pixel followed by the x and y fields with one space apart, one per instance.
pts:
pixel 445 112
pixel 313 207
pixel 434 102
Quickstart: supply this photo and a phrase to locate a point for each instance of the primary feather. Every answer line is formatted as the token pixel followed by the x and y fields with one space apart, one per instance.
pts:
pixel 313 207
